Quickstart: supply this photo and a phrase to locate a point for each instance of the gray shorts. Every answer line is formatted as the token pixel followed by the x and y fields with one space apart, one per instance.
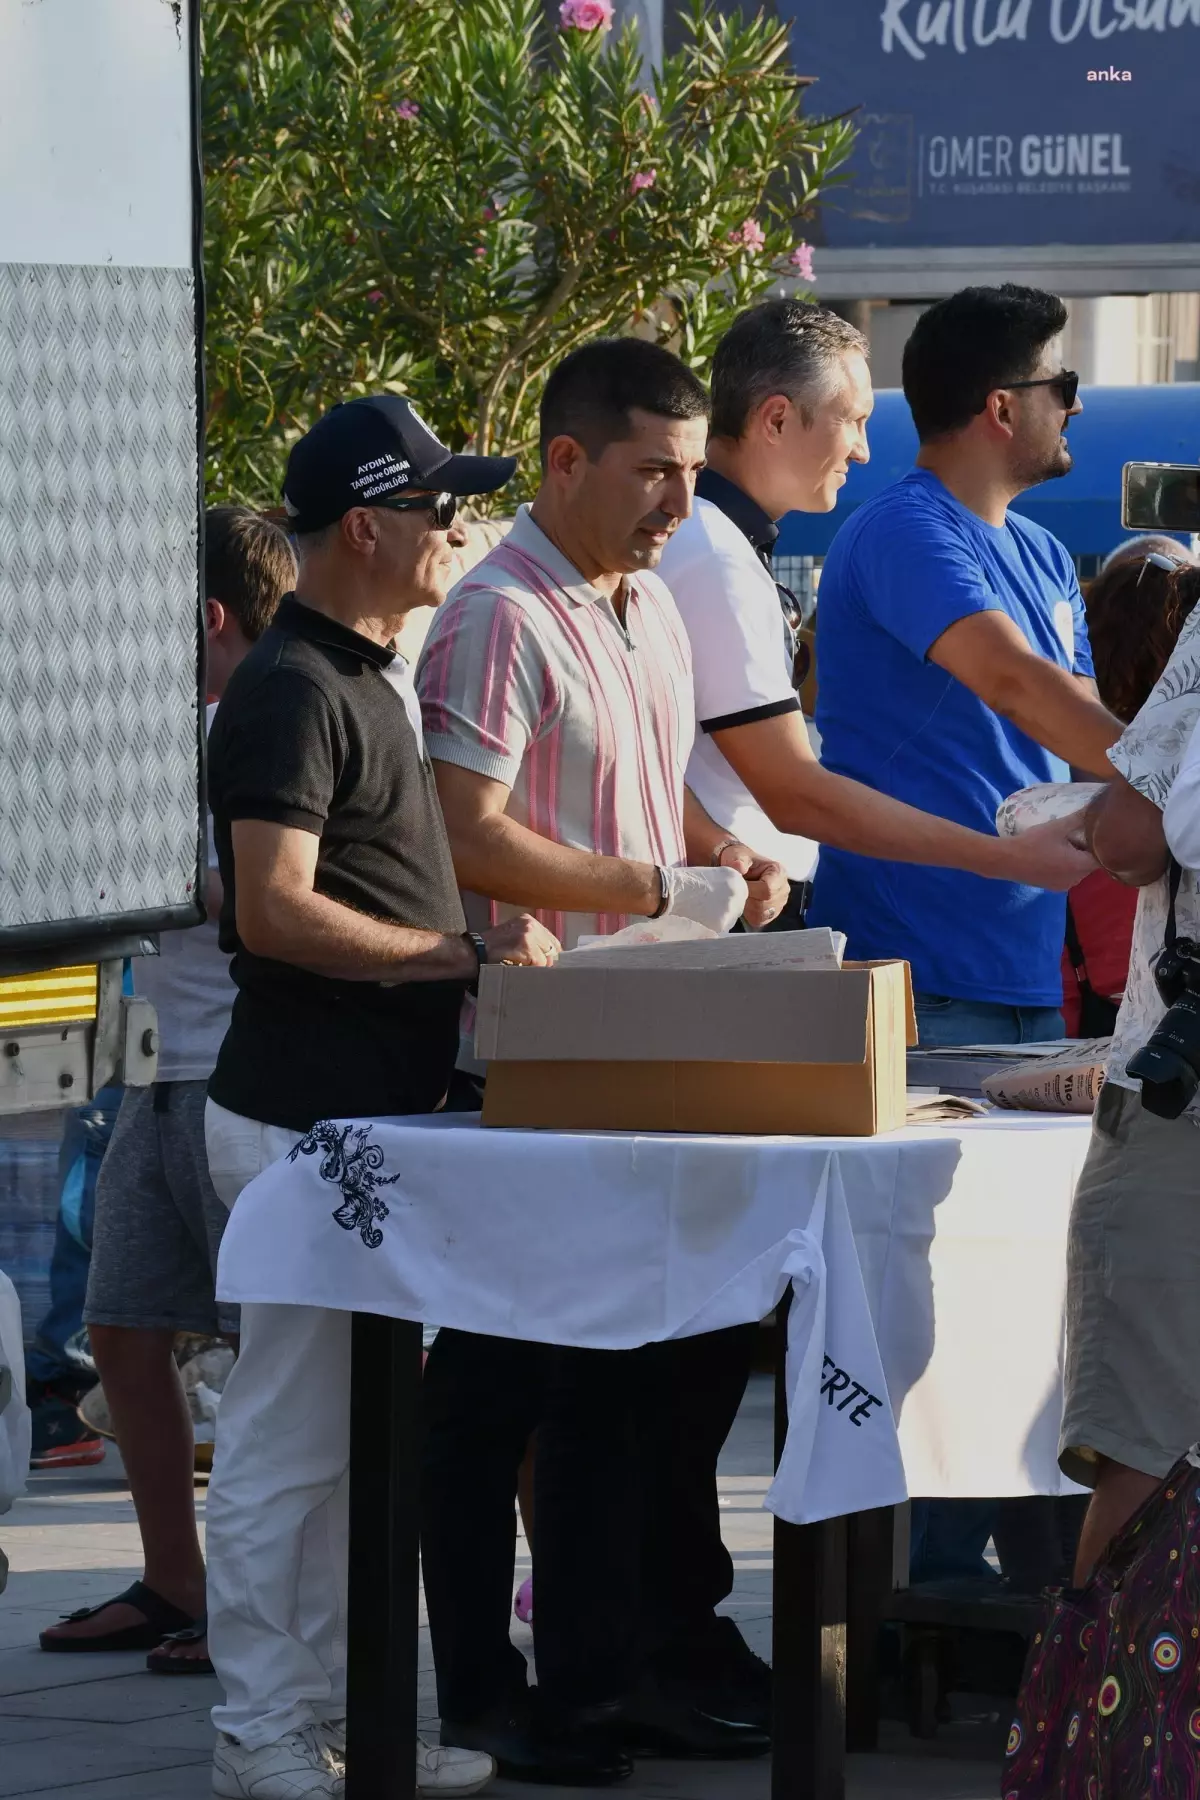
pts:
pixel 1133 1293
pixel 158 1219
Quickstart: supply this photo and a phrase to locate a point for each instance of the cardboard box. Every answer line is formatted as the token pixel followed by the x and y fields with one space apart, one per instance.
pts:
pixel 785 1050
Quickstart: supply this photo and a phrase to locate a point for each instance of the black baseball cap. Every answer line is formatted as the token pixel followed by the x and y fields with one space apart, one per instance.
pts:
pixel 372 449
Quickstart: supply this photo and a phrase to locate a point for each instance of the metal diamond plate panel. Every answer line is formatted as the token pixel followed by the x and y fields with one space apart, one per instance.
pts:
pixel 98 616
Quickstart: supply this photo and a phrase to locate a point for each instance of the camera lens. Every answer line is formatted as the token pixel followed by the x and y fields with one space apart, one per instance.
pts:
pixel 1168 1066
pixel 1168 1083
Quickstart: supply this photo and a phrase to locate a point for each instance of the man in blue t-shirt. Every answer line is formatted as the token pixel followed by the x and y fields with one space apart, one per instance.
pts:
pixel 954 665
pixel 953 669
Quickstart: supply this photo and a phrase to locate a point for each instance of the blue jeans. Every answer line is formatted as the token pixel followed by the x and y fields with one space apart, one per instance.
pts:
pixel 85 1139
pixel 943 1023
pixel 949 1537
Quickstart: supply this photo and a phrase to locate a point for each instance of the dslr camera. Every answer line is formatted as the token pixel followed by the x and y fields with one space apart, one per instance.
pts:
pixel 1168 1065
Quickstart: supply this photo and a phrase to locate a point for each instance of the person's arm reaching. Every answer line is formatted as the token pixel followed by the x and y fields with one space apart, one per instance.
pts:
pixel 1124 831
pixel 496 856
pixel 774 760
pixel 502 859
pixel 280 915
pixel 918 575
pixel 990 655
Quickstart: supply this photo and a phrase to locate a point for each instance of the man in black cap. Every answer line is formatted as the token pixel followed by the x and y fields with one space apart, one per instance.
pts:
pixel 350 958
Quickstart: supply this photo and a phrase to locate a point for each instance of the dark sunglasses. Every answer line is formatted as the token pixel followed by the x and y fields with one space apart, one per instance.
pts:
pixel 444 507
pixel 793 618
pixel 1067 384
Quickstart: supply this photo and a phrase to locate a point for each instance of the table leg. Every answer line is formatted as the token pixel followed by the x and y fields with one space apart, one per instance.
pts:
pixel 870 1548
pixel 809 1640
pixel 384 1595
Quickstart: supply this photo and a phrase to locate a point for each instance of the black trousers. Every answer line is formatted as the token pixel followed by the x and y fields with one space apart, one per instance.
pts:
pixel 629 1557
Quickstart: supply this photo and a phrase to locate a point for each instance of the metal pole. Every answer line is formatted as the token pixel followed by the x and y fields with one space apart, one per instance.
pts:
pixel 808 1610
pixel 384 1576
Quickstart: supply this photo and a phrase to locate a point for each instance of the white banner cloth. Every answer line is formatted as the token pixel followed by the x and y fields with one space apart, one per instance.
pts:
pixel 929 1266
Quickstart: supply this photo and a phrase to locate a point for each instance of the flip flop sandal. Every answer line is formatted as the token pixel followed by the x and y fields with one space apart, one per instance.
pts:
pixel 161 1662
pixel 161 1618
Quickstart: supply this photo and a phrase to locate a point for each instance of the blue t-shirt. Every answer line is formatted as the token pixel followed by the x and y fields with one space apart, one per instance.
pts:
pixel 901 571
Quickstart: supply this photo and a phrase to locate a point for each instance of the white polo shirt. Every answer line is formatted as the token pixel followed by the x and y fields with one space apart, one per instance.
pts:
pixel 741 669
pixel 190 988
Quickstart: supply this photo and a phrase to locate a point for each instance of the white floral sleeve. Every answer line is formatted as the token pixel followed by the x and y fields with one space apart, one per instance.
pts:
pixel 1148 755
pixel 1149 752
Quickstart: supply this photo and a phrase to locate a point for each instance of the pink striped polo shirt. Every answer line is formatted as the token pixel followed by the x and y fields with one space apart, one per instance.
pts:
pixel 529 677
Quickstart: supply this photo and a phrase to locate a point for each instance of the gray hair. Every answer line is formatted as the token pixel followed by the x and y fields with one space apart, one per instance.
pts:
pixel 1151 543
pixel 778 347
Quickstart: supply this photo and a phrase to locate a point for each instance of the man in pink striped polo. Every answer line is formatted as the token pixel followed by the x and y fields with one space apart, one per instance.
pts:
pixel 556 695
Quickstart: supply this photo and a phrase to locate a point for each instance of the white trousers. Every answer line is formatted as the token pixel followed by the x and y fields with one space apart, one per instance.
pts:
pixel 277 1513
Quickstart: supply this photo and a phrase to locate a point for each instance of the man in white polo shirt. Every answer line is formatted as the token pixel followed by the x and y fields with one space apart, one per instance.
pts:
pixel 556 692
pixel 791 396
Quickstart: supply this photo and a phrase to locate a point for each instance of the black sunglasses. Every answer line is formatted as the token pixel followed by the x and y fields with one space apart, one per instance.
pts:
pixel 444 507
pixel 793 618
pixel 1067 384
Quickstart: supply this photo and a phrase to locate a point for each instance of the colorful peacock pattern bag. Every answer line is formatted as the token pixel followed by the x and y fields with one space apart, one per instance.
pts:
pixel 1109 1707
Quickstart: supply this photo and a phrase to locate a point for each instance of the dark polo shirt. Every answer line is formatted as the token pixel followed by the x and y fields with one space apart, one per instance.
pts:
pixel 311 733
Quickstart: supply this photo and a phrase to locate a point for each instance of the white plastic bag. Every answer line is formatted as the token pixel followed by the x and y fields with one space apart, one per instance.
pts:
pixel 15 1429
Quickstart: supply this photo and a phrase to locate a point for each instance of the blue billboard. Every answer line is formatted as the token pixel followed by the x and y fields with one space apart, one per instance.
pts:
pixel 1008 122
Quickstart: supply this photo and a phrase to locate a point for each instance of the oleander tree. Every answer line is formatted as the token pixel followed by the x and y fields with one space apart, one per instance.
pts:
pixel 443 197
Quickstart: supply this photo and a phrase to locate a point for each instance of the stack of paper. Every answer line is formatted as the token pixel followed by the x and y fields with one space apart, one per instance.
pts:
pixel 820 949
pixel 926 1106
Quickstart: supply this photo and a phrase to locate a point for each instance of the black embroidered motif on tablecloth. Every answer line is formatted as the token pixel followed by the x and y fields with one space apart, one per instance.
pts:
pixel 350 1159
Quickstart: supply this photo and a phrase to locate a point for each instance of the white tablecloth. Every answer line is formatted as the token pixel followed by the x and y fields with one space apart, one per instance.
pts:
pixel 926 1334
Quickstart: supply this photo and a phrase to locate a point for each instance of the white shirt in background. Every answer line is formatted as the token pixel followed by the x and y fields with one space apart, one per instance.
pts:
pixel 741 669
pixel 190 988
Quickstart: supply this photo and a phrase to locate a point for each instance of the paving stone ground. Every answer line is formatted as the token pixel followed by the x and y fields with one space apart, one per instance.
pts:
pixel 99 1728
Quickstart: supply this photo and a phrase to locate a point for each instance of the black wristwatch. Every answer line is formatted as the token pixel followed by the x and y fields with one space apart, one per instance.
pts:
pixel 478 944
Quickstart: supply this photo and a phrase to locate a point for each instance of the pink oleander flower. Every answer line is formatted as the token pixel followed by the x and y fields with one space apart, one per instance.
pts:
pixel 749 234
pixel 586 15
pixel 489 213
pixel 801 261
pixel 647 102
pixel 645 178
pixel 375 296
pixel 407 109
pixel 479 250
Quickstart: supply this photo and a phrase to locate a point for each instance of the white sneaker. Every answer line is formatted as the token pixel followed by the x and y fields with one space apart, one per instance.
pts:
pixel 304 1765
pixel 442 1770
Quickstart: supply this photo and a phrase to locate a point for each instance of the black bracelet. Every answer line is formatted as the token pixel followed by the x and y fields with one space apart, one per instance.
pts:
pixel 664 894
pixel 479 946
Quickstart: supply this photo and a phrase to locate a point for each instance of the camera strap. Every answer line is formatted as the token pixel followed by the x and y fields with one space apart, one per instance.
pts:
pixel 1171 934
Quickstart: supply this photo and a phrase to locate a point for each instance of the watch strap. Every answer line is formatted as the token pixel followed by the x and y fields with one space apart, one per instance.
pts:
pixel 478 944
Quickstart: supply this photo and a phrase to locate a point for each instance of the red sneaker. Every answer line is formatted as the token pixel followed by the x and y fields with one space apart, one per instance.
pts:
pixel 61 1440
